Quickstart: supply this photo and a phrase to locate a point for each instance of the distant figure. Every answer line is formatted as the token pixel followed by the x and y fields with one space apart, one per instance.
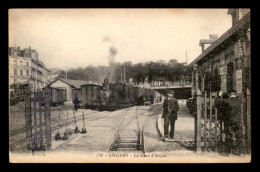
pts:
pixel 152 99
pixel 233 110
pixel 76 102
pixel 170 109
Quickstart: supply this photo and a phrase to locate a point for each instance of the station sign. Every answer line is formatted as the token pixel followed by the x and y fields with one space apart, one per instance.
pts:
pixel 223 70
pixel 239 81
pixel 223 83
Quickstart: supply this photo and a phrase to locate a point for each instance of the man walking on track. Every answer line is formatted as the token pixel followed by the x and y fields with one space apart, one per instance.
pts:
pixel 170 109
pixel 76 102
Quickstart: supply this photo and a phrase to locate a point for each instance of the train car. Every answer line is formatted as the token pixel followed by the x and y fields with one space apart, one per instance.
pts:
pixel 58 96
pixel 96 100
pixel 118 94
pixel 90 96
pixel 86 96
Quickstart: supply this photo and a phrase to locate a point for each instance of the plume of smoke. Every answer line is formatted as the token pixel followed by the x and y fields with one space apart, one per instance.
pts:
pixel 106 39
pixel 111 59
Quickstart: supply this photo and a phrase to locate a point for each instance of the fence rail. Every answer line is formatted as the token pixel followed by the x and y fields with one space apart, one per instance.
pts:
pixel 209 131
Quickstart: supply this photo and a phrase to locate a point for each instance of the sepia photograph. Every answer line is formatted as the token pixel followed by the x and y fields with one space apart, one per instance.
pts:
pixel 128 85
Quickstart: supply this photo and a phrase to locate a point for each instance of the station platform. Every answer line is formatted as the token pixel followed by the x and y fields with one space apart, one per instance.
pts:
pixel 184 133
pixel 182 148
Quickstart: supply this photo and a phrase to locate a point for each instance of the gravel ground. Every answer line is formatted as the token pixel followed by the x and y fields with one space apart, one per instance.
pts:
pixel 17 121
pixel 101 129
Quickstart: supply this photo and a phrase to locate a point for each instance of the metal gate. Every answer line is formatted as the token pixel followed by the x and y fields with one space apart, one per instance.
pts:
pixel 209 131
pixel 38 122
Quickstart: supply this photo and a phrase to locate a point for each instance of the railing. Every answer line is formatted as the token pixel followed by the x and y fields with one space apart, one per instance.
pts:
pixel 209 127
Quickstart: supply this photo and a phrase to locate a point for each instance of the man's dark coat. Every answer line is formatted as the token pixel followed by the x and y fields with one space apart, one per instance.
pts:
pixel 170 108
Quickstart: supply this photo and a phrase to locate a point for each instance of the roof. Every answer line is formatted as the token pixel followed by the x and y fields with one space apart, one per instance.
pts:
pixel 73 83
pixel 245 21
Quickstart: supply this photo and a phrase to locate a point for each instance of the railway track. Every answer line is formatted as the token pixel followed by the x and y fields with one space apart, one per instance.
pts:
pixel 53 128
pixel 128 136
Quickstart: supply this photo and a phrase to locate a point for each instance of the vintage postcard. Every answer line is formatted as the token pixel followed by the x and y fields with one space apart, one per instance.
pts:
pixel 129 85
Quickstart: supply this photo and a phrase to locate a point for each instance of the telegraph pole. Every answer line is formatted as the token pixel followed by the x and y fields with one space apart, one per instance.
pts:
pixel 66 73
pixel 124 74
pixel 121 75
pixel 186 54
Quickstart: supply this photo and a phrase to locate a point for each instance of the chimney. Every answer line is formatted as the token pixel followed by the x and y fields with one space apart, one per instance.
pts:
pixel 30 55
pixel 213 38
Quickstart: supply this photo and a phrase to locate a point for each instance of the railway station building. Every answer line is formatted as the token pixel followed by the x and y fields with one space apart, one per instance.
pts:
pixel 225 65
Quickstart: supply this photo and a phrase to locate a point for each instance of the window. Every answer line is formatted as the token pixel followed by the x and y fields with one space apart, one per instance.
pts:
pixel 27 63
pixel 27 72
pixel 230 76
pixel 222 61
pixel 227 58
pixel 21 72
pixel 15 72
pixel 21 61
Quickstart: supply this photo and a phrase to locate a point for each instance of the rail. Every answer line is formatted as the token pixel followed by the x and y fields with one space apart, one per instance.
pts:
pixel 117 132
pixel 22 130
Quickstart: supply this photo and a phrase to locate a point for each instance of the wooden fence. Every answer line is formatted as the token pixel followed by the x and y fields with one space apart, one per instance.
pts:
pixel 38 122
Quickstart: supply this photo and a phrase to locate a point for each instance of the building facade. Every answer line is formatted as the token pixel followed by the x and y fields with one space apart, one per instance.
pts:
pixel 25 67
pixel 227 58
pixel 72 87
pixel 226 66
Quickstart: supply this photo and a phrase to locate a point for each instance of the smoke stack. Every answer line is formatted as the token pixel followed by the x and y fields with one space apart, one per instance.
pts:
pixel 106 82
pixel 208 42
pixel 124 74
pixel 66 74
pixel 213 36
pixel 121 75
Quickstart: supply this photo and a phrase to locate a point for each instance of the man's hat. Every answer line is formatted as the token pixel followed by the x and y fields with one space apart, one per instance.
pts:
pixel 225 95
pixel 232 91
pixel 171 92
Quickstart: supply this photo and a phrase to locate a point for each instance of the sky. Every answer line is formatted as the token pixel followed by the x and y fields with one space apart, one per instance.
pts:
pixel 80 37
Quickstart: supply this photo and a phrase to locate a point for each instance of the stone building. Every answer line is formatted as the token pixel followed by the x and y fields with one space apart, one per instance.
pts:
pixel 25 67
pixel 71 86
pixel 226 65
pixel 227 60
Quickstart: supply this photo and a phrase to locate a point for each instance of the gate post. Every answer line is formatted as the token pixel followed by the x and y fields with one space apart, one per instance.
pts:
pixel 205 121
pixel 198 122
pixel 248 121
pixel 47 101
pixel 27 101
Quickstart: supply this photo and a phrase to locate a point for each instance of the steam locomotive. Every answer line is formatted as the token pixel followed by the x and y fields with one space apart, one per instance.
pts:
pixel 113 96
